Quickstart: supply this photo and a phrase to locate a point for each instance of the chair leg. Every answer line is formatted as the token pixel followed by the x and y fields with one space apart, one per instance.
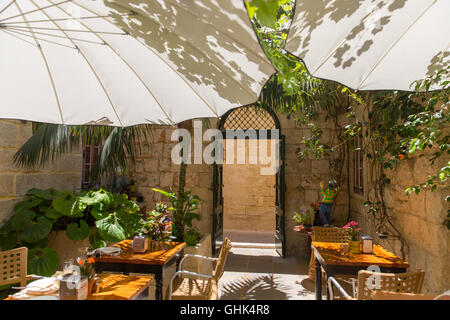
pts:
pixel 318 281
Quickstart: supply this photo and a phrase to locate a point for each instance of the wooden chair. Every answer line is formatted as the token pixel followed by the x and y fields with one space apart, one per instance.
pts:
pixel 13 267
pixel 325 234
pixel 409 282
pixel 388 295
pixel 195 286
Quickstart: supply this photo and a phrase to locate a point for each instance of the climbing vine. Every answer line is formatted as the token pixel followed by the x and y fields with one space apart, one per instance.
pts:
pixel 396 125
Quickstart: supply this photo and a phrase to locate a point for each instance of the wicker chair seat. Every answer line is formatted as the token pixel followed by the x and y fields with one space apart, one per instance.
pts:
pixel 190 289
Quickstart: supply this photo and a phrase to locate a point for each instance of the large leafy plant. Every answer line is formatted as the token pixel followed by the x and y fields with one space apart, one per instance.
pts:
pixel 96 214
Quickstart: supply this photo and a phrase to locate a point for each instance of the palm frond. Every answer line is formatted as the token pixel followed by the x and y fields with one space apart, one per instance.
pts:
pixel 50 141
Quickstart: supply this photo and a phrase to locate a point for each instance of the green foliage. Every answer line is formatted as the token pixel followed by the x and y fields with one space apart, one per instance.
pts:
pixel 192 237
pixel 187 204
pixel 70 204
pixel 120 145
pixel 302 216
pixel 292 86
pixel 78 231
pixel 98 214
pixel 42 261
pixel 159 224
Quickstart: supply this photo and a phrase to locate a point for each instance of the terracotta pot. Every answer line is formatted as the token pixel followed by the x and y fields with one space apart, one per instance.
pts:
pixel 353 247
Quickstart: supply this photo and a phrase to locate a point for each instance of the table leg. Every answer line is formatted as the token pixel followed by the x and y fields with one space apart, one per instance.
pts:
pixel 318 281
pixel 159 285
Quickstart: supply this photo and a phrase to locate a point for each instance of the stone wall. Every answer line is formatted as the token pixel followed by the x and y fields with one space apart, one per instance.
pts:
pixel 303 181
pixel 63 173
pixel 249 195
pixel 155 169
pixel 419 218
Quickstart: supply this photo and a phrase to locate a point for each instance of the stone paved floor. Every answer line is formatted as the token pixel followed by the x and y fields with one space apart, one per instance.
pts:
pixel 260 274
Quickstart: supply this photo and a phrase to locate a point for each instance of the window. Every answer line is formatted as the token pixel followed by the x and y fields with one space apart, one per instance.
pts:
pixel 90 154
pixel 358 172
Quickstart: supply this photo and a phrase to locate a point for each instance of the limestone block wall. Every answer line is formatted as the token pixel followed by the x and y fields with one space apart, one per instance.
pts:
pixel 63 173
pixel 154 169
pixel 249 193
pixel 419 218
pixel 303 181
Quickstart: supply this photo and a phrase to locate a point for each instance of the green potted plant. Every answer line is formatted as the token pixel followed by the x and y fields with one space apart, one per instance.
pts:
pixel 158 227
pixel 303 217
pixel 184 209
pixel 96 215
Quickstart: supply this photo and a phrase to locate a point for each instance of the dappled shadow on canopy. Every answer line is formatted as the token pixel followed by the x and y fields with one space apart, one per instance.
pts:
pixel 373 44
pixel 207 42
pixel 315 13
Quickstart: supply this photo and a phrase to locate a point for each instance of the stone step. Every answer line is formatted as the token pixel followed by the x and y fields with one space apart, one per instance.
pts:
pixel 253 245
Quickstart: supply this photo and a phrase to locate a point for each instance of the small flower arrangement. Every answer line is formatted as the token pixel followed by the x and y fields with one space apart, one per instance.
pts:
pixel 87 267
pixel 352 230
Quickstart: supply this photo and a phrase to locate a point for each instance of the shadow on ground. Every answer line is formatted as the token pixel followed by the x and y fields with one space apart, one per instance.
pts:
pixel 261 287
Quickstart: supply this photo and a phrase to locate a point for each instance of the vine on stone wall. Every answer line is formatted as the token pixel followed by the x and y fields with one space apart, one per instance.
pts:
pixel 398 124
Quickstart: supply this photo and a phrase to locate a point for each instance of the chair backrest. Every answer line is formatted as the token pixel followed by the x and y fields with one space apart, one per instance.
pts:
pixel 13 266
pixel 326 234
pixel 409 282
pixel 220 265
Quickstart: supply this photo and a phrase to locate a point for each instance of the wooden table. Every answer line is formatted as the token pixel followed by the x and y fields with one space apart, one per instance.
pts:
pixel 151 262
pixel 121 287
pixel 118 287
pixel 328 255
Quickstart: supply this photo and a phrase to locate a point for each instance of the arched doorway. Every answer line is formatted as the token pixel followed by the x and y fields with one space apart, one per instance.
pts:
pixel 242 196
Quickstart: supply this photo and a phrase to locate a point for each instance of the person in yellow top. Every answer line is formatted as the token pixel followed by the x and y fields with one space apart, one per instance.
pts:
pixel 327 196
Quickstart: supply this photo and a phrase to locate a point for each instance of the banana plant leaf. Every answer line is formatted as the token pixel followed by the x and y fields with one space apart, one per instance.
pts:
pixel 75 232
pixel 98 211
pixel 36 230
pixel 48 194
pixel 51 213
pixel 99 196
pixel 20 220
pixel 110 228
pixel 43 262
pixel 9 241
pixel 130 222
pixel 27 204
pixel 70 205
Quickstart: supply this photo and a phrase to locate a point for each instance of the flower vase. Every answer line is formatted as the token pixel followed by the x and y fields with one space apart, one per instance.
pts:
pixel 353 246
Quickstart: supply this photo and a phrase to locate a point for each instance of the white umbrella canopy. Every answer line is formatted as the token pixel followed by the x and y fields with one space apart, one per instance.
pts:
pixel 373 44
pixel 127 62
